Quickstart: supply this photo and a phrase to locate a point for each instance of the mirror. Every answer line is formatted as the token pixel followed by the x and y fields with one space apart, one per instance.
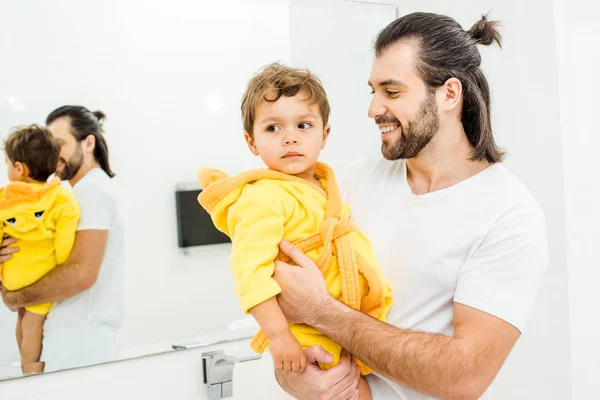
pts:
pixel 170 81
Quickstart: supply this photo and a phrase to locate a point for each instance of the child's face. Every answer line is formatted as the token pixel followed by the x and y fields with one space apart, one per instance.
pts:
pixel 289 135
pixel 15 172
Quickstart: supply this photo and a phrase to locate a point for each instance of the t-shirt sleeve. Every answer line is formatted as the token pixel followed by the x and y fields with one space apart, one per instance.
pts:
pixel 97 209
pixel 503 274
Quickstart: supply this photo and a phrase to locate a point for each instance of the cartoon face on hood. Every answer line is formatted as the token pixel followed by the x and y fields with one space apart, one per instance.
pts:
pixel 23 206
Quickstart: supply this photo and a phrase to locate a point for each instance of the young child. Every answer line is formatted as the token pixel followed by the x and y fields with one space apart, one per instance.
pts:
pixel 43 216
pixel 285 113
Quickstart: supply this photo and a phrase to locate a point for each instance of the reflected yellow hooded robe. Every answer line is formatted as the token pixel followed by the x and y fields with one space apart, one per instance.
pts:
pixel 44 218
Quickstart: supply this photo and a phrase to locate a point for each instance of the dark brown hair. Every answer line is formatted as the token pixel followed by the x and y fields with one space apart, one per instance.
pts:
pixel 83 124
pixel 35 147
pixel 277 80
pixel 443 51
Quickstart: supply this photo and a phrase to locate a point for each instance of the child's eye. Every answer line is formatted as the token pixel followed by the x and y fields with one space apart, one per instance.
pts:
pixel 12 221
pixel 39 215
pixel 272 128
pixel 304 125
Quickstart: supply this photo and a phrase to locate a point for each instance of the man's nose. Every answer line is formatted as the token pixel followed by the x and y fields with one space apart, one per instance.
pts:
pixel 376 109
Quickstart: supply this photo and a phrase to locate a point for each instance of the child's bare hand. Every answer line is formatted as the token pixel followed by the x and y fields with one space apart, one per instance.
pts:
pixel 288 355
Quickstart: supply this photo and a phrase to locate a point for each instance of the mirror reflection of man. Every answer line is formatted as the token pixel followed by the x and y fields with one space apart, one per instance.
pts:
pixel 82 326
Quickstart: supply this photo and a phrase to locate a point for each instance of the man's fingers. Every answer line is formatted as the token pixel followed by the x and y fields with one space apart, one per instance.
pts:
pixel 298 257
pixel 6 255
pixel 8 240
pixel 345 389
pixel 5 251
pixel 341 375
pixel 316 354
pixel 279 265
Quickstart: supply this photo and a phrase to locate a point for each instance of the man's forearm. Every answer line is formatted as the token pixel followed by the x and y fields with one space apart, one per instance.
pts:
pixel 436 365
pixel 61 283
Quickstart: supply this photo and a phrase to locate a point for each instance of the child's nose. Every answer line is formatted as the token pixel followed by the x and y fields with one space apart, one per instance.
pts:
pixel 290 139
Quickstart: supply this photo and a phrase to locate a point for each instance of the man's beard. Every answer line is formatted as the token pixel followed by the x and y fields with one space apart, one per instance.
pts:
pixel 417 134
pixel 71 167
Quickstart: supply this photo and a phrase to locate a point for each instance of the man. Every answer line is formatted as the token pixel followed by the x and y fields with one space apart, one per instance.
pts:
pixel 87 290
pixel 461 241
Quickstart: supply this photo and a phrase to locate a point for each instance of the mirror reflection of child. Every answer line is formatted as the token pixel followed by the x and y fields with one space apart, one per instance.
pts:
pixel 285 113
pixel 43 217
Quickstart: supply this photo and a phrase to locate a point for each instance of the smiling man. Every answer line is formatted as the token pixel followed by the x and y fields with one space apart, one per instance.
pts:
pixel 460 239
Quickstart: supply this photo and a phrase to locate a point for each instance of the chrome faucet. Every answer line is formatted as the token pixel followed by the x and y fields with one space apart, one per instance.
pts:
pixel 218 371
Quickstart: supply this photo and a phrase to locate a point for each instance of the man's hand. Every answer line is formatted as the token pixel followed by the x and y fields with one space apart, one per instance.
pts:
pixel 303 288
pixel 5 251
pixel 337 383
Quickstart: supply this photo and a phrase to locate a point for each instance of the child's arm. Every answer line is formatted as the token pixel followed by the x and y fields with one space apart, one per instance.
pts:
pixel 256 226
pixel 287 353
pixel 66 229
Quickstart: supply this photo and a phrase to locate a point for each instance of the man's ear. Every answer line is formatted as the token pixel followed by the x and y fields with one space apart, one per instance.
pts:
pixel 251 144
pixel 451 93
pixel 89 143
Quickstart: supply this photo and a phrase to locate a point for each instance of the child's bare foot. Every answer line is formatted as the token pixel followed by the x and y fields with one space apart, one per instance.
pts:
pixel 32 368
pixel 288 355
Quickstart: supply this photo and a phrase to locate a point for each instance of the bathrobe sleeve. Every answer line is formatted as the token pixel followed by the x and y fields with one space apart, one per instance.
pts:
pixel 256 224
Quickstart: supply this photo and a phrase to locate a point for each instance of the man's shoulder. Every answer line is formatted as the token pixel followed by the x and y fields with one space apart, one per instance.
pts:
pixel 96 182
pixel 511 194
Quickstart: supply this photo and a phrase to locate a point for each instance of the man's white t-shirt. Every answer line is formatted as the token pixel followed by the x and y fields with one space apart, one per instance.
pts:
pixel 481 242
pixel 83 329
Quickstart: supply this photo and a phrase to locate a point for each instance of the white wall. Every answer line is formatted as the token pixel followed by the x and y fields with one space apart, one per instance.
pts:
pixel 157 91
pixel 170 79
pixel 578 34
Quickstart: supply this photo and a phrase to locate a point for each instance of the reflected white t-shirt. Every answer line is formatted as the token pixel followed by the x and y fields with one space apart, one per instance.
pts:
pixel 481 242
pixel 83 329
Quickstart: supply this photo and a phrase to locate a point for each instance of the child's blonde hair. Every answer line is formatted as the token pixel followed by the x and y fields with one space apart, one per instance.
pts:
pixel 276 80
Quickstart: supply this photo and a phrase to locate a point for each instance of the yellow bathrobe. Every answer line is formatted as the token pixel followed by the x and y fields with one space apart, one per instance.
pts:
pixel 44 218
pixel 258 209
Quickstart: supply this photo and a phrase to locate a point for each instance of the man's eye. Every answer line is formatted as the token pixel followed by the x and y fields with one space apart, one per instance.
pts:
pixel 391 94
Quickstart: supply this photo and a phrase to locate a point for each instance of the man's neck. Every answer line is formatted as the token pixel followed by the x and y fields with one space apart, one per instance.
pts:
pixel 83 170
pixel 443 163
